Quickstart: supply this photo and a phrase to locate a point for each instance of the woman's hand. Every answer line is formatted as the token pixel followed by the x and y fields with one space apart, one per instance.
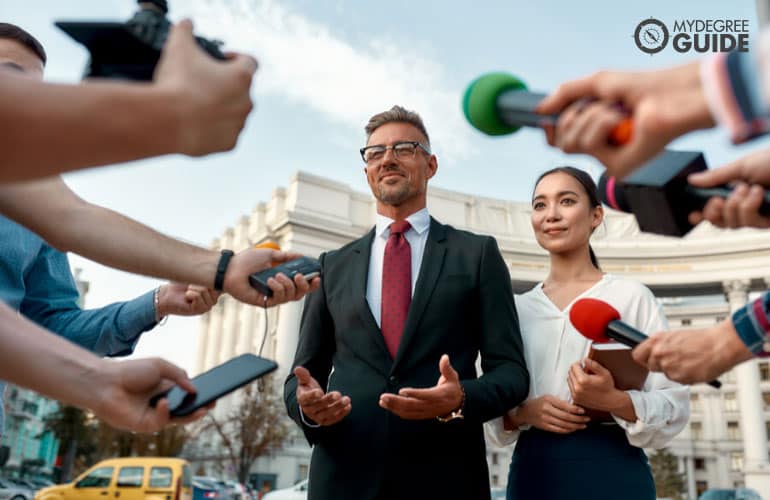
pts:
pixel 592 386
pixel 547 413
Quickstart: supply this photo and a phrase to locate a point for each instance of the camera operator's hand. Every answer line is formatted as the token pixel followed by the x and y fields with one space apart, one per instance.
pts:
pixel 751 176
pixel 212 97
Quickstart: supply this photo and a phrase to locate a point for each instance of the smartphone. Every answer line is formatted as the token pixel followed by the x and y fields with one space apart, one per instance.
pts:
pixel 215 383
pixel 307 266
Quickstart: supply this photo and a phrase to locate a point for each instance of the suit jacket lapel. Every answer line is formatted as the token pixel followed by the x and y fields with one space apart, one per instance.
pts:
pixel 359 267
pixel 430 269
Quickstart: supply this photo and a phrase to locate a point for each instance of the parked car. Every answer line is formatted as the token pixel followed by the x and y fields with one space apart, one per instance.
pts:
pixel 11 491
pixel 225 491
pixel 238 490
pixel 128 478
pixel 296 492
pixel 203 489
pixel 736 494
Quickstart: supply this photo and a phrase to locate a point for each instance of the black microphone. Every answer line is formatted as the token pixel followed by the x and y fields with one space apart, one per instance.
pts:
pixel 499 104
pixel 658 193
pixel 599 322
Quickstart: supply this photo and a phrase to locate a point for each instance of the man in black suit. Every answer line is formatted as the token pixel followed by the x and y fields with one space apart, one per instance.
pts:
pixel 384 383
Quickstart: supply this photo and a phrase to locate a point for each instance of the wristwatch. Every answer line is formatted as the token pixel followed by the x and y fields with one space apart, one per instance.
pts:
pixel 454 414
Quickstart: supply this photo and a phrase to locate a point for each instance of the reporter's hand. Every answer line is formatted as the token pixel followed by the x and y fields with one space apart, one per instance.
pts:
pixel 690 356
pixel 419 404
pixel 663 104
pixel 252 260
pixel 185 300
pixel 549 413
pixel 749 175
pixel 211 96
pixel 320 408
pixel 124 388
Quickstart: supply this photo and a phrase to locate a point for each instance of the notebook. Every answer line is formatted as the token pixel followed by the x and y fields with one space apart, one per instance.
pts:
pixel 628 375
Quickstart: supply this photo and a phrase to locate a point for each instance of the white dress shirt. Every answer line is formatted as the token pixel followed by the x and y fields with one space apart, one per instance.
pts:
pixel 552 344
pixel 417 235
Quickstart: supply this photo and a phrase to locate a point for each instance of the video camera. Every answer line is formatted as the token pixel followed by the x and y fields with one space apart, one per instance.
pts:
pixel 129 50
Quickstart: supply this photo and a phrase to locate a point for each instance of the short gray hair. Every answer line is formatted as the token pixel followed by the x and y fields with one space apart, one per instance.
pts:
pixel 396 114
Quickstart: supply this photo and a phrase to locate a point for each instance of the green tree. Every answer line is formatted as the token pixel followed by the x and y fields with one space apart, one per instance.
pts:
pixel 669 482
pixel 75 430
pixel 168 442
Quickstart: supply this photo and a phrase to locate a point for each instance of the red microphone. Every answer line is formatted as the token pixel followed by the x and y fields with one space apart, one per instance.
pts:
pixel 598 321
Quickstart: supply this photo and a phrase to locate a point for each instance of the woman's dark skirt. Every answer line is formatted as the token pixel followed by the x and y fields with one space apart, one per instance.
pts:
pixel 597 463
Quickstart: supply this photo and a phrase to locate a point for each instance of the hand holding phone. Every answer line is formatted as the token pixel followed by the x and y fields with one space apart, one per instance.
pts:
pixel 310 268
pixel 215 383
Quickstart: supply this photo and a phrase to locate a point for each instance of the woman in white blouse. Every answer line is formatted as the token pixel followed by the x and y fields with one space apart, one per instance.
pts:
pixel 560 453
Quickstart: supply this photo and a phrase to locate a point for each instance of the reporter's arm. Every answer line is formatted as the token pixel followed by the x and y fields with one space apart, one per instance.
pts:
pixel 118 393
pixel 736 85
pixel 195 106
pixel 72 224
pixel 57 128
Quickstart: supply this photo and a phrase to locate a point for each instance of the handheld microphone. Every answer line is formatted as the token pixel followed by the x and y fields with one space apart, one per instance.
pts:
pixel 499 104
pixel 598 321
pixel 658 193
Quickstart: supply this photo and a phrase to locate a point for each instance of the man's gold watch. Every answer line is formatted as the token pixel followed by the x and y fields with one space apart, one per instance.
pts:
pixel 454 414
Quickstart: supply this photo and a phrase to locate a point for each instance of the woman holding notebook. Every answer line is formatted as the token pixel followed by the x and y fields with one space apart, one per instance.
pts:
pixel 561 452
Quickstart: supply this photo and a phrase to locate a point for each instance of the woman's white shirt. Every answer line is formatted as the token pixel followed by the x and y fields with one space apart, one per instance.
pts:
pixel 552 344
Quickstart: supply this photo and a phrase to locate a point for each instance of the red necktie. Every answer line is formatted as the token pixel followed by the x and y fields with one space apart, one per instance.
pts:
pixel 396 286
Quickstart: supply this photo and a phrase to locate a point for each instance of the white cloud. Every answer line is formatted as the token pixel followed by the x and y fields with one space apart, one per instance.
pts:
pixel 304 61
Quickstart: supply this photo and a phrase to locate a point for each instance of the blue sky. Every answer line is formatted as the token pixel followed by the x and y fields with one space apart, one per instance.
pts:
pixel 325 67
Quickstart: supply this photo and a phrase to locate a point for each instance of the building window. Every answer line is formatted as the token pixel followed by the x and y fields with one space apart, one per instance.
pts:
pixel 494 458
pixel 495 480
pixel 694 402
pixel 731 404
pixel 719 319
pixel 696 432
pixel 736 462
pixel 686 322
pixel 764 371
pixel 766 399
pixel 733 431
pixel 700 463
pixel 303 468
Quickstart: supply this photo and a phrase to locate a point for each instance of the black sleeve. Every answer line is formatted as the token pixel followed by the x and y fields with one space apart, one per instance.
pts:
pixel 315 349
pixel 505 381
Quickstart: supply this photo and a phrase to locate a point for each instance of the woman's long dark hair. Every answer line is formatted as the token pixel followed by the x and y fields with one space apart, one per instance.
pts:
pixel 589 186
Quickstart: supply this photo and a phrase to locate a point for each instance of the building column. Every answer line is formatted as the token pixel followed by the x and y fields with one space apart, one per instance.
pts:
pixel 203 342
pixel 689 463
pixel 214 336
pixel 756 467
pixel 287 333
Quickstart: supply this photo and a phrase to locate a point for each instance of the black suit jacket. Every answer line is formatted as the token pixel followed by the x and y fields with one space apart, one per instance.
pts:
pixel 462 305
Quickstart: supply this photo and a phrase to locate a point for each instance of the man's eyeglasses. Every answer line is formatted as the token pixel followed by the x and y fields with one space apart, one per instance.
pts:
pixel 404 150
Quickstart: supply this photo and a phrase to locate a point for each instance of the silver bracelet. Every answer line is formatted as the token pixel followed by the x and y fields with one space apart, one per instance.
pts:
pixel 156 305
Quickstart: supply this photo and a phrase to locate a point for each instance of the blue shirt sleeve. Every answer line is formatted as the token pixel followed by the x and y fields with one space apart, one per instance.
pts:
pixel 51 300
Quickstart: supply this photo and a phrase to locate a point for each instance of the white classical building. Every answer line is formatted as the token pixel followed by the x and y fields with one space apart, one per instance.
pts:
pixel 700 279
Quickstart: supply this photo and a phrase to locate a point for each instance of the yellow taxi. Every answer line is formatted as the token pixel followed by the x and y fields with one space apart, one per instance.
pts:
pixel 128 478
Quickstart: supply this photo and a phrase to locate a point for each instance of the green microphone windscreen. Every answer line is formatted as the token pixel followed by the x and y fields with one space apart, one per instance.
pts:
pixel 480 102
